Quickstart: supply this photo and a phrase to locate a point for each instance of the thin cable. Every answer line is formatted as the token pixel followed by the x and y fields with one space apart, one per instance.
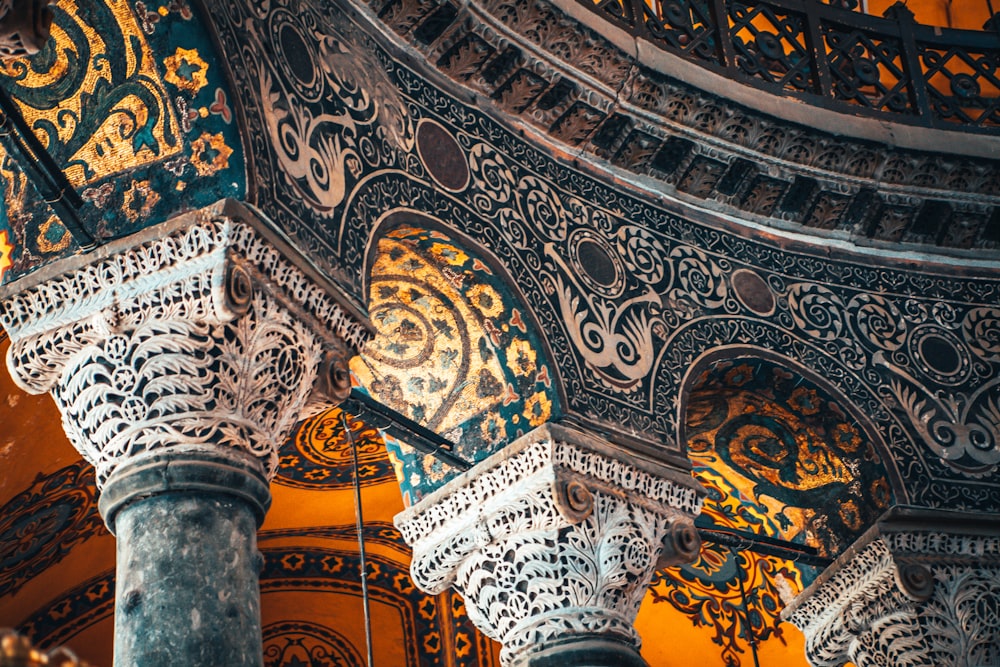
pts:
pixel 751 637
pixel 42 171
pixel 360 523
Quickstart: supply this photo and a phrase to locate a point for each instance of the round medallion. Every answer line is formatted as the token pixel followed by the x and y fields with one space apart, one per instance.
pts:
pixel 597 262
pixel 295 56
pixel 442 156
pixel 940 354
pixel 753 292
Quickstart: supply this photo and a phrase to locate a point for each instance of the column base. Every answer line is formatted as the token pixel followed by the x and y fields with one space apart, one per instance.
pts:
pixel 585 652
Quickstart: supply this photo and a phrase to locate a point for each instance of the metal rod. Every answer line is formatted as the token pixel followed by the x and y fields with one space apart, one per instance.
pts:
pixel 42 171
pixel 360 524
pixel 429 442
pixel 415 435
pixel 765 546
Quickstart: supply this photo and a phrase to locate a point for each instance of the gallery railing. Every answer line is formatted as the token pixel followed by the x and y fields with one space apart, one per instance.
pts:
pixel 891 68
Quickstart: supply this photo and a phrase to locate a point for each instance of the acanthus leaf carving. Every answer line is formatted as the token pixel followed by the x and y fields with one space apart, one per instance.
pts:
pixel 909 597
pixel 204 335
pixel 555 537
pixel 962 429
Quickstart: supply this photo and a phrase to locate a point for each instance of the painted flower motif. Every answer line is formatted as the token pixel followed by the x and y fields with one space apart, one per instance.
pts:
pixel 521 357
pixel 6 253
pixel 186 70
pixel 52 236
pixel 538 409
pixel 140 199
pixel 317 475
pixel 494 428
pixel 210 154
pixel 289 461
pixel 739 376
pixel 450 254
pixel 100 196
pixel 881 493
pixel 846 437
pixel 486 300
pixel 850 515
pixel 805 400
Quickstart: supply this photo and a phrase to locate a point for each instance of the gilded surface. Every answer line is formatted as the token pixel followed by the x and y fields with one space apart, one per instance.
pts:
pixel 781 458
pixel 789 450
pixel 710 591
pixel 107 117
pixel 453 351
pixel 130 101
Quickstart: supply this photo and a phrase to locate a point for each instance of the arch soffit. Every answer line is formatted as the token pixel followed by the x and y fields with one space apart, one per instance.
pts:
pixel 785 439
pixel 457 349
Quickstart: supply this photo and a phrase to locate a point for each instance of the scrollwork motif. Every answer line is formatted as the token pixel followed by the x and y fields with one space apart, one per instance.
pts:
pixel 622 358
pixel 878 320
pixel 981 327
pixel 816 310
pixel 962 429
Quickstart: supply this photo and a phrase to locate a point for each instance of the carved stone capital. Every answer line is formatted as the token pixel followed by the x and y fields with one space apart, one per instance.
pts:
pixel 553 539
pixel 912 595
pixel 203 331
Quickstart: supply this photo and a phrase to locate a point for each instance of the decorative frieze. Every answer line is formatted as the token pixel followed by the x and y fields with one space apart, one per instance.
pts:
pixel 907 596
pixel 553 539
pixel 201 331
pixel 571 74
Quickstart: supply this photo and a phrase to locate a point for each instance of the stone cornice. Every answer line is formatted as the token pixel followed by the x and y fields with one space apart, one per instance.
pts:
pixel 544 68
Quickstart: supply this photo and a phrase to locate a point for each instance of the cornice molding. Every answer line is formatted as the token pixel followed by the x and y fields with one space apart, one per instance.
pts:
pixel 543 67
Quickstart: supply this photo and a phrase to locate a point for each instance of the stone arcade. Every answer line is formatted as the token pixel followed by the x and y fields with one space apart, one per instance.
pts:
pixel 706 299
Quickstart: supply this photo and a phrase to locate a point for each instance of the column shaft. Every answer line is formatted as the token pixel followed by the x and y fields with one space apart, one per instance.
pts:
pixel 187 588
pixel 586 652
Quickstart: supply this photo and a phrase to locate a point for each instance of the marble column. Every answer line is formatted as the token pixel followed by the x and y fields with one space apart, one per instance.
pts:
pixel 552 542
pixel 920 588
pixel 180 358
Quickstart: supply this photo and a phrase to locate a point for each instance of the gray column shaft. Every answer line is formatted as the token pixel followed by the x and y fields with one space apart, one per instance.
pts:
pixel 187 590
pixel 586 652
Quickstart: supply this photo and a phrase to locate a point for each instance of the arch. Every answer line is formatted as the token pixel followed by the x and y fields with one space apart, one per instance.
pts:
pixel 846 375
pixel 789 442
pixel 775 445
pixel 457 349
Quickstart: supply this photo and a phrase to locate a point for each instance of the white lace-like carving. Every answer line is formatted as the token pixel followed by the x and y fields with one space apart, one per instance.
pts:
pixel 551 538
pixel 157 345
pixel 865 612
